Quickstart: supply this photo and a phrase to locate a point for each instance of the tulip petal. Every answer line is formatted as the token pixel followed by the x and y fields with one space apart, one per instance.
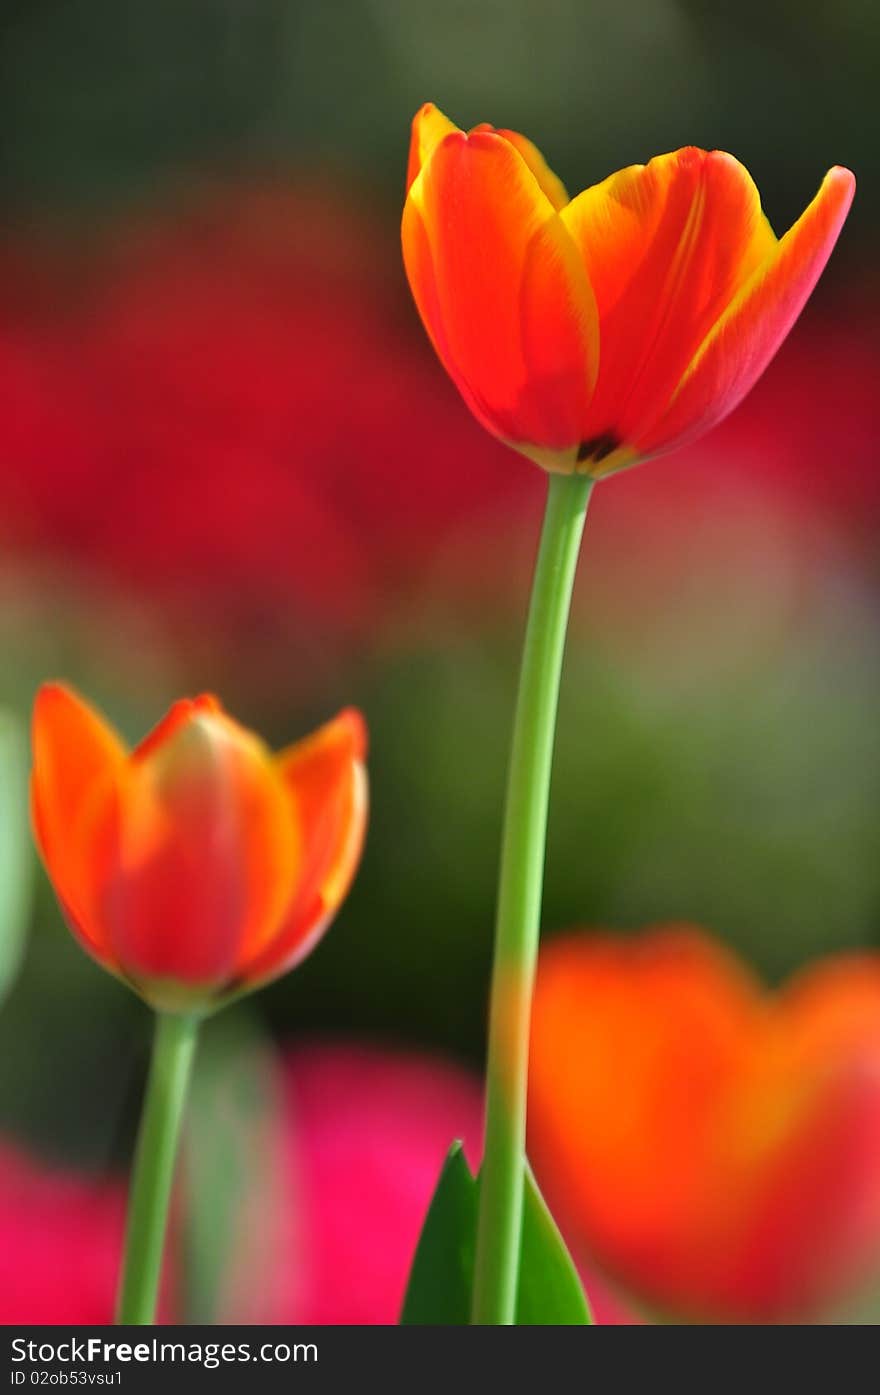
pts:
pixel 802 1136
pixel 198 851
pixel 177 716
pixel 75 754
pixel 429 126
pixel 666 246
pixel 326 783
pixel 806 1229
pixel 502 291
pixel 715 1145
pixel 738 347
pixel 623 1152
pixel 551 184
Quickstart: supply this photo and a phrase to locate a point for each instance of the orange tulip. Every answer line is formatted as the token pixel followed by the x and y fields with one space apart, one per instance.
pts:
pixel 197 865
pixel 715 1146
pixel 591 333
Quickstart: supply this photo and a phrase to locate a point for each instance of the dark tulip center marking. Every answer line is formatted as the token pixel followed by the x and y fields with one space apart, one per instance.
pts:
pixel 598 447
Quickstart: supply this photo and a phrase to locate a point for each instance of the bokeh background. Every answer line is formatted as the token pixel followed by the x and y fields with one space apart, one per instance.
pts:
pixel 230 461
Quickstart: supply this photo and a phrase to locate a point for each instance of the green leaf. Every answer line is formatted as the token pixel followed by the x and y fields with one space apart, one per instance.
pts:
pixel 439 1289
pixel 441 1279
pixel 234 1189
pixel 16 856
pixel 550 1291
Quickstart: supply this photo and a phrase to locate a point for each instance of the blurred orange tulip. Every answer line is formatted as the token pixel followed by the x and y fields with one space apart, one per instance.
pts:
pixel 197 865
pixel 716 1147
pixel 594 332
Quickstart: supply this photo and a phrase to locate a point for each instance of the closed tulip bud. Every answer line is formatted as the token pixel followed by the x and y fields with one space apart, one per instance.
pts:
pixel 198 865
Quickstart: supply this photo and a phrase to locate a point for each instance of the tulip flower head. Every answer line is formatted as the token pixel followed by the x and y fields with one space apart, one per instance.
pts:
pixel 198 865
pixel 713 1145
pixel 594 332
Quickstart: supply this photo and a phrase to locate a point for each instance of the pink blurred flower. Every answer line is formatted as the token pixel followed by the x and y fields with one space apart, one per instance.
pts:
pixel 369 1130
pixel 60 1238
pixel 362 1139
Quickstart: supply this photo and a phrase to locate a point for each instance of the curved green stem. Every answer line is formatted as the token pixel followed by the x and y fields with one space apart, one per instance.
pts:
pixel 519 903
pixel 174 1047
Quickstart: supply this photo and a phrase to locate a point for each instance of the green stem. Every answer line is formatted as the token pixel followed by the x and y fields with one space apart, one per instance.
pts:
pixel 174 1047
pixel 519 903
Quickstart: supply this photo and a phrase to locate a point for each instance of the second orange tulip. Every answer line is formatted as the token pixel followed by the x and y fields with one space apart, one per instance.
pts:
pixel 198 864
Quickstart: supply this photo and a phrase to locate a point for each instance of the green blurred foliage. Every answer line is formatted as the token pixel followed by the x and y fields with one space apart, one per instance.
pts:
pixel 234 1191
pixel 105 98
pixel 747 805
pixel 16 858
